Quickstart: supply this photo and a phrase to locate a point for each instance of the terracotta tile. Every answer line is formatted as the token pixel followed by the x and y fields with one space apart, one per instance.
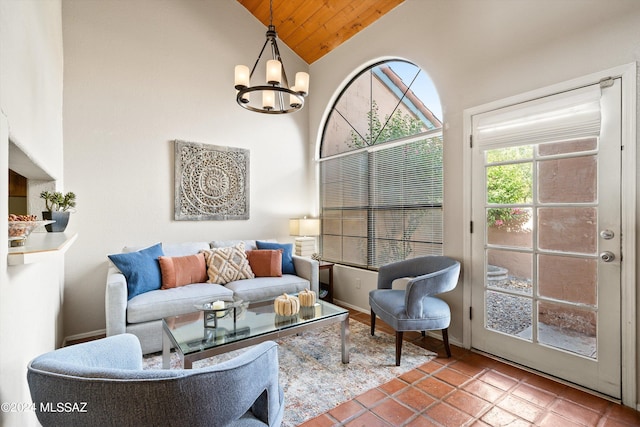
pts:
pixel 534 395
pixel 478 423
pixel 588 400
pixel 624 414
pixel 319 421
pixel 448 415
pixel 574 412
pixel 498 380
pixel 452 377
pixel 415 398
pixel 368 419
pixel 393 412
pixel 393 386
pixel 412 376
pixel 511 371
pixel 434 387
pixel 370 397
pixel 430 367
pixel 521 408
pixel 468 403
pixel 499 417
pixel 479 360
pixel 545 384
pixel 554 420
pixel 422 422
pixel 467 368
pixel 484 390
pixel 346 410
pixel 612 422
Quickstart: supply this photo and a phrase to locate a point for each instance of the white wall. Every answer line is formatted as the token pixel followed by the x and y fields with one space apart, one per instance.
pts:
pixel 138 75
pixel 31 99
pixel 477 52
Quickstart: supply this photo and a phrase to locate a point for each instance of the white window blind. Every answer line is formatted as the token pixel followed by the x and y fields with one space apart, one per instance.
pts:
pixel 383 205
pixel 568 115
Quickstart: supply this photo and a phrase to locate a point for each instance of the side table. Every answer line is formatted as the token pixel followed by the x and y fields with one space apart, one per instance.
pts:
pixel 324 265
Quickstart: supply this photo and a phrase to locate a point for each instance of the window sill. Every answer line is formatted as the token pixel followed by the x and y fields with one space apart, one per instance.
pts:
pixel 41 247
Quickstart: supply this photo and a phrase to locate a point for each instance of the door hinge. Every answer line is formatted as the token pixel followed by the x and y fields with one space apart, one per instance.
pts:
pixel 471 227
pixel 470 141
pixel 470 313
pixel 606 82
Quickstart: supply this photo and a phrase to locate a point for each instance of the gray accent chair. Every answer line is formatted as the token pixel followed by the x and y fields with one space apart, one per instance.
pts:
pixel 102 383
pixel 416 308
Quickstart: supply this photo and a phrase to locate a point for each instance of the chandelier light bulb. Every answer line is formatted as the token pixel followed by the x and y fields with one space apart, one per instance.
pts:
pixel 302 83
pixel 268 99
pixel 274 72
pixel 241 76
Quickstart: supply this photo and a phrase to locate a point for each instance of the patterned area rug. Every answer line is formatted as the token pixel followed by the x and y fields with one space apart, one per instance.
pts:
pixel 312 374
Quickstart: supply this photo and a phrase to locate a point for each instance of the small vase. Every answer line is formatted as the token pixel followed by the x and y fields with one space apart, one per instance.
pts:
pixel 61 219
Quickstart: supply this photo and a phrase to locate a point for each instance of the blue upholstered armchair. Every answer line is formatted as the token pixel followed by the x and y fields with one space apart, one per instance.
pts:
pixel 102 383
pixel 416 308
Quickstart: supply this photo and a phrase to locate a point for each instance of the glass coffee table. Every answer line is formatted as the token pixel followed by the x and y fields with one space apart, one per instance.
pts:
pixel 209 332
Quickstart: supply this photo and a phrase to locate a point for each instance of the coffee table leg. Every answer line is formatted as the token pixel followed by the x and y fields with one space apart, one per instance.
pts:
pixel 166 351
pixel 344 333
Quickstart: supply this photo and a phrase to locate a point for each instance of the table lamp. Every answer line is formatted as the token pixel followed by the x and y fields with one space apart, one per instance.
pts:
pixel 306 229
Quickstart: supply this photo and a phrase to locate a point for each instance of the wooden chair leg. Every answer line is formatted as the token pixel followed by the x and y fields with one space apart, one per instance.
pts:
pixel 445 338
pixel 373 322
pixel 398 347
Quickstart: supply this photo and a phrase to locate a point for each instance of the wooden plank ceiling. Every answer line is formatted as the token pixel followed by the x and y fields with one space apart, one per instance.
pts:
pixel 313 28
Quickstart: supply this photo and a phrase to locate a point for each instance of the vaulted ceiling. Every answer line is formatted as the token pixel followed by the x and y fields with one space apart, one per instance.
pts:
pixel 313 28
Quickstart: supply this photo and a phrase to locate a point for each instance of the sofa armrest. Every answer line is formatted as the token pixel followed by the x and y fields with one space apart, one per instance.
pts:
pixel 115 302
pixel 307 268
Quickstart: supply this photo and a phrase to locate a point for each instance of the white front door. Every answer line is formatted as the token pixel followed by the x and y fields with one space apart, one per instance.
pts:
pixel 546 244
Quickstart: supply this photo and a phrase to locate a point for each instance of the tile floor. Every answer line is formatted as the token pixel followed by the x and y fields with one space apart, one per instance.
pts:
pixel 474 390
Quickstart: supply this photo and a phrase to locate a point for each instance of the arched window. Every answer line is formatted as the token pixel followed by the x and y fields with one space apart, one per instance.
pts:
pixel 381 168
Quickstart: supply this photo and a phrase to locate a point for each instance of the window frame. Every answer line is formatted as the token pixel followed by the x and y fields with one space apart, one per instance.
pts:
pixel 370 207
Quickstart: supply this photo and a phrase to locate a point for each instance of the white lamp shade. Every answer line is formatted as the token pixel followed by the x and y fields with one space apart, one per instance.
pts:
pixel 302 83
pixel 274 71
pixel 304 227
pixel 268 99
pixel 293 100
pixel 241 76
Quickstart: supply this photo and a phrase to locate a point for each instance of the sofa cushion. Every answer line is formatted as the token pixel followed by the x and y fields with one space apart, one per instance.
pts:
pixel 262 288
pixel 249 245
pixel 183 249
pixel 287 254
pixel 141 269
pixel 182 270
pixel 265 262
pixel 158 304
pixel 225 265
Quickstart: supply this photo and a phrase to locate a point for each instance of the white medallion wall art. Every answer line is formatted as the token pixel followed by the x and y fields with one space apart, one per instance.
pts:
pixel 211 182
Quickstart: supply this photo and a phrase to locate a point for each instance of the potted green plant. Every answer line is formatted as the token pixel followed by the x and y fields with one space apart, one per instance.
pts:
pixel 58 207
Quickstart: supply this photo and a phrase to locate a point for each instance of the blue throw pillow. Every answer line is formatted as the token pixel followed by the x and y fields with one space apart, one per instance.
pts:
pixel 141 269
pixel 287 254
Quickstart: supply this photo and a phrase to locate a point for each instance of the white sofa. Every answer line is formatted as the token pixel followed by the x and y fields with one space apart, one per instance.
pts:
pixel 142 315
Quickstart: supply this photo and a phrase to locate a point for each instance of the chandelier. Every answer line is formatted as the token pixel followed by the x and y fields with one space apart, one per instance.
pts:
pixel 274 97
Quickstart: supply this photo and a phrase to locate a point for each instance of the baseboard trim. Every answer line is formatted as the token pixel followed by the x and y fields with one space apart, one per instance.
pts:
pixel 84 336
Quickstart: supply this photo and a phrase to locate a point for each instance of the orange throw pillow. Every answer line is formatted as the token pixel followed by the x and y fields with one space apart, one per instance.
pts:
pixel 183 270
pixel 266 262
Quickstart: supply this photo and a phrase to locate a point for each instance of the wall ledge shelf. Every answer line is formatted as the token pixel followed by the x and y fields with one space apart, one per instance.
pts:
pixel 41 247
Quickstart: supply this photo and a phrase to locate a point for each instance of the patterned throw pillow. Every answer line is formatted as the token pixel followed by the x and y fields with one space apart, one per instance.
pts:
pixel 226 265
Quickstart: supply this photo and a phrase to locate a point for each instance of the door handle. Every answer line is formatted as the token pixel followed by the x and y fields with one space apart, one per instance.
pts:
pixel 607 256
